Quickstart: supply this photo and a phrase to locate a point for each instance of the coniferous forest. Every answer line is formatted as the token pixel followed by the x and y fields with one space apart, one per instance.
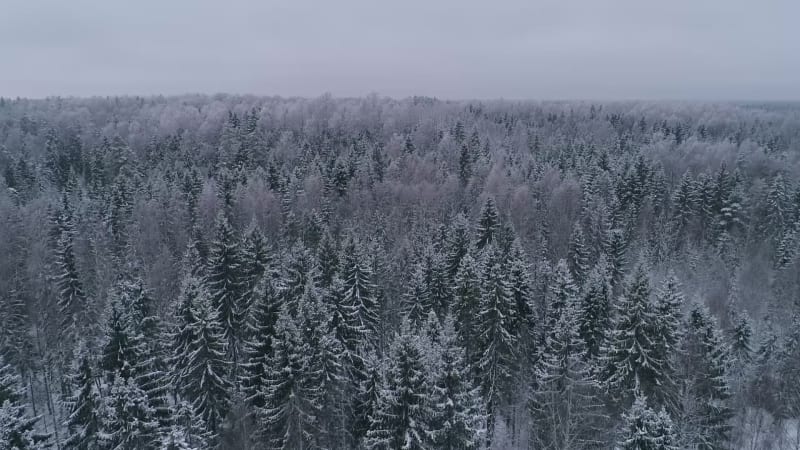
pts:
pixel 282 273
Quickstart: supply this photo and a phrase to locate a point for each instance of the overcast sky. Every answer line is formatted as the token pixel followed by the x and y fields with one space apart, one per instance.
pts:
pixel 560 49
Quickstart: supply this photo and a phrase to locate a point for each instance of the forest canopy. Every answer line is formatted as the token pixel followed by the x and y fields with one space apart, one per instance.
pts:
pixel 264 272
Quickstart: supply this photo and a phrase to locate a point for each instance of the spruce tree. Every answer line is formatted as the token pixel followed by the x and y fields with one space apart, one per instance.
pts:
pixel 417 297
pixel 457 416
pixel 400 418
pixel 187 432
pixel 129 421
pixel 706 413
pixel 521 286
pixel 367 397
pixel 121 351
pixel 467 303
pixel 596 311
pixel 615 248
pixel 325 371
pixel 644 429
pixel 497 344
pixel 562 294
pixel 203 377
pixel 258 348
pixel 578 255
pixel 457 245
pixel 359 290
pixel 438 282
pixel 565 406
pixel 85 411
pixel 488 224
pixel 72 299
pixel 632 357
pixel 668 305
pixel 16 426
pixel 151 371
pixel 226 284
pixel 289 417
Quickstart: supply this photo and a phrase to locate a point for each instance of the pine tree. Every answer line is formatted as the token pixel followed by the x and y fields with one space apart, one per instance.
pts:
pixel 632 356
pixel 705 395
pixel 457 420
pixel 399 421
pixel 16 426
pixel 644 429
pixel 86 411
pixel 225 281
pixel 488 224
pixel 497 344
pixel 202 379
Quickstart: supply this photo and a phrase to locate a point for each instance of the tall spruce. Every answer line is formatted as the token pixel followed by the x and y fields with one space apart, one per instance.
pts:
pixel 632 356
pixel 457 415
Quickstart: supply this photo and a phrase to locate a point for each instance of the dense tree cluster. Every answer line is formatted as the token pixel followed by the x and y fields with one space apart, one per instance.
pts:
pixel 242 272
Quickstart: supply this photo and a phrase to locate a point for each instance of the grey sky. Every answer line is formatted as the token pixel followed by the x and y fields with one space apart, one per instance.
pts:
pixel 587 49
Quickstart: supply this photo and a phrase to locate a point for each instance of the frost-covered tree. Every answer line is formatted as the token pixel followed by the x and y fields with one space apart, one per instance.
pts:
pixel 290 416
pixel 565 406
pixel 86 410
pixel 578 257
pixel 705 410
pixel 358 289
pixel 467 303
pixel 497 342
pixel 258 348
pixel 488 224
pixel 226 282
pixel 644 429
pixel 129 422
pixel 202 379
pixel 400 419
pixel 16 425
pixel 457 416
pixel 632 356
pixel 595 311
pixel 417 297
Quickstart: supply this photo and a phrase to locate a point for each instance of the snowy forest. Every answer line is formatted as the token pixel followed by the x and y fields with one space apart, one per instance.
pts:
pixel 242 272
